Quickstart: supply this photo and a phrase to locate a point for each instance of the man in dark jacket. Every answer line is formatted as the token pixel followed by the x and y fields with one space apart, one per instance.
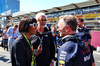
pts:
pixel 72 52
pixel 44 39
pixel 83 32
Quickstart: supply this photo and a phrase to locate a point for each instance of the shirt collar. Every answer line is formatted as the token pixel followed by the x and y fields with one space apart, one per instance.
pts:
pixel 66 37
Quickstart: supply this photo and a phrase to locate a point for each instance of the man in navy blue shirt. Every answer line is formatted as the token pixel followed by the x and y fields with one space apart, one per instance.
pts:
pixel 83 32
pixel 72 52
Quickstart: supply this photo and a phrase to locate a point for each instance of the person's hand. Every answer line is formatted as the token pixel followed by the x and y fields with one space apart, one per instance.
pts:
pixel 93 64
pixel 38 51
pixel 52 63
pixel 11 37
pixel 15 37
pixel 4 36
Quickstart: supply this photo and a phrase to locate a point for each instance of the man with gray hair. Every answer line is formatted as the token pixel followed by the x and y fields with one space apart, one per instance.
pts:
pixel 43 39
pixel 72 52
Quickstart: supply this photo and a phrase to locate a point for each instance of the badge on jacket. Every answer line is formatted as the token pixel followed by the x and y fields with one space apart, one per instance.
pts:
pixel 46 35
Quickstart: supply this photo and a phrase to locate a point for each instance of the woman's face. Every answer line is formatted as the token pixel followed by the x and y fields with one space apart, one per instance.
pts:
pixel 33 29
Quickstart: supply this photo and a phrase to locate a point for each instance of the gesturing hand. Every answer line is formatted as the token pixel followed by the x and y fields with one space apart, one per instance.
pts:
pixel 38 51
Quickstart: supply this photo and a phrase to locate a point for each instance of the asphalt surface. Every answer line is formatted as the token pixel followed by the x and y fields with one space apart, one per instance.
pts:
pixel 97 58
pixel 4 57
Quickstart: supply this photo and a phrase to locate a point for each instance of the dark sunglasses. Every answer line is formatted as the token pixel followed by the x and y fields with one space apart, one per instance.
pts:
pixel 42 20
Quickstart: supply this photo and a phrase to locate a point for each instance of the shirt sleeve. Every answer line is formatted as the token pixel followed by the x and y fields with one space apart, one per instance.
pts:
pixel 88 34
pixel 66 55
pixel 35 41
pixel 9 33
pixel 3 33
pixel 92 57
pixel 52 47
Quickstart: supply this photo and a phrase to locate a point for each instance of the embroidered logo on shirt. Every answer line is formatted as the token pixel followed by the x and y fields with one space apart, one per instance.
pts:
pixel 86 58
pixel 62 55
pixel 61 62
pixel 46 35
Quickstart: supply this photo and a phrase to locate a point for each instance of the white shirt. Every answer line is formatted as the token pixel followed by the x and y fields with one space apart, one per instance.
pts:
pixel 12 32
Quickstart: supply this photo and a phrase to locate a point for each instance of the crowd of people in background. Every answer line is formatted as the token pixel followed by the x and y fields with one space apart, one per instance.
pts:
pixel 34 43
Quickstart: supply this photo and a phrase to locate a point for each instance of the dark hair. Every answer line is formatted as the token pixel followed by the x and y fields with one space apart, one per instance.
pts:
pixel 25 24
pixel 15 25
pixel 7 26
pixel 81 19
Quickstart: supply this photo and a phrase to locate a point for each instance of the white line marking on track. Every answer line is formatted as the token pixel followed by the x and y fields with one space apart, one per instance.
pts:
pixel 3 50
pixel 98 53
pixel 98 61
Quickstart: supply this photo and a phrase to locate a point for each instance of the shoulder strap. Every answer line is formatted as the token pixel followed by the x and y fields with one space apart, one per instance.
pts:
pixel 81 43
pixel 83 46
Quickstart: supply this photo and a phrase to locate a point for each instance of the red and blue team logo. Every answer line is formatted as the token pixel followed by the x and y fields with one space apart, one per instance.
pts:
pixel 54 35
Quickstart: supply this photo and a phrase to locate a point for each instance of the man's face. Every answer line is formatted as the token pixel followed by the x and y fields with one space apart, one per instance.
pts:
pixel 41 21
pixel 15 27
pixel 61 27
pixel 79 23
pixel 53 29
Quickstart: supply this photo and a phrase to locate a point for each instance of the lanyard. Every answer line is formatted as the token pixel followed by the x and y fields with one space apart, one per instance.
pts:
pixel 41 40
pixel 32 63
pixel 41 45
pixel 27 40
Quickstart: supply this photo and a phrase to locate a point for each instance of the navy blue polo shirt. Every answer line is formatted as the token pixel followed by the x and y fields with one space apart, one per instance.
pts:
pixel 71 54
pixel 84 33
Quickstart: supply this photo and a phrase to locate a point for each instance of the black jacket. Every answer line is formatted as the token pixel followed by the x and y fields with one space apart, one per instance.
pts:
pixel 48 52
pixel 21 52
